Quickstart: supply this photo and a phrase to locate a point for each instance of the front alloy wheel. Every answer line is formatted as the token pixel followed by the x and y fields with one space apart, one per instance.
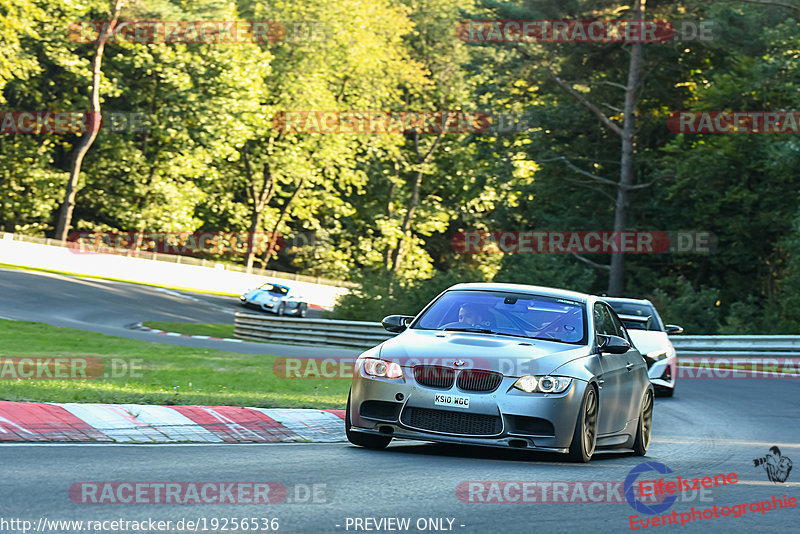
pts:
pixel 585 435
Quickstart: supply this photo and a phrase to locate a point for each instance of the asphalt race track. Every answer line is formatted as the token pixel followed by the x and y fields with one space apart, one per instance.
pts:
pixel 710 427
pixel 111 307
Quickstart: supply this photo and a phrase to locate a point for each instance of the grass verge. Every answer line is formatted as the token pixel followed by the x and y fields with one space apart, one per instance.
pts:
pixel 140 372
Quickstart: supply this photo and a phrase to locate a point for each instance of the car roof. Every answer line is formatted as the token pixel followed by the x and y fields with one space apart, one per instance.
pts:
pixel 523 288
pixel 623 300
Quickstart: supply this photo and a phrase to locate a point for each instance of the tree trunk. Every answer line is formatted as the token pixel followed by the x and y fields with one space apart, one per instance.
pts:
pixel 387 251
pixel 414 200
pixel 406 228
pixel 255 221
pixel 273 241
pixel 65 215
pixel 260 198
pixel 616 276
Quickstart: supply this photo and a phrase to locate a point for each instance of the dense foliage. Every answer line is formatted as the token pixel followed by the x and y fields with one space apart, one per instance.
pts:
pixel 384 208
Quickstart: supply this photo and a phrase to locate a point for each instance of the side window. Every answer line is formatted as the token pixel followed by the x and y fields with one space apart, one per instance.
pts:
pixel 601 324
pixel 614 325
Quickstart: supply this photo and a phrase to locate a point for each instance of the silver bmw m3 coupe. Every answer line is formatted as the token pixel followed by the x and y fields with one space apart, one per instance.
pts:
pixel 505 365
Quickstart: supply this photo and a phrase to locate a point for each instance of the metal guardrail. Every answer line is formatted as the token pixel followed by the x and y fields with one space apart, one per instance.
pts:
pixel 362 335
pixel 733 347
pixel 329 332
pixel 190 260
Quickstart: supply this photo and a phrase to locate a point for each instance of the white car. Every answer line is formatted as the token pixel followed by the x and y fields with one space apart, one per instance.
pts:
pixel 650 336
pixel 277 299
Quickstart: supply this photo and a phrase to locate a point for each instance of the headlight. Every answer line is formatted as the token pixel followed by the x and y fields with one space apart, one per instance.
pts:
pixel 543 384
pixel 274 299
pixel 382 368
pixel 657 355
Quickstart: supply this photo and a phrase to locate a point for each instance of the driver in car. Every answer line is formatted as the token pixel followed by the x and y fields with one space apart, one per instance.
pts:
pixel 472 314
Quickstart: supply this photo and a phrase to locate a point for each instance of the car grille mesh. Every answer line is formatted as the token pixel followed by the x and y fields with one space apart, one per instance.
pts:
pixel 452 422
pixel 434 376
pixel 479 381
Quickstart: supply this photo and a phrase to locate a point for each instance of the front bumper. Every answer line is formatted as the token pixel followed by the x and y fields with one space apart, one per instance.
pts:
pixel 290 308
pixel 505 417
pixel 663 372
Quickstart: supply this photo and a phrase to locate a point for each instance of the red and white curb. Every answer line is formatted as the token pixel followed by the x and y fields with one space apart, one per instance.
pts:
pixel 140 326
pixel 142 423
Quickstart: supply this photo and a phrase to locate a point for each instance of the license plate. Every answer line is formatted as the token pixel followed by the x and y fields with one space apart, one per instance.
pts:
pixel 452 400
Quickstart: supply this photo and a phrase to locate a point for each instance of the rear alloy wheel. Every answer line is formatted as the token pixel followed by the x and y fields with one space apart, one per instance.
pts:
pixel 369 441
pixel 645 427
pixel 584 438
pixel 303 309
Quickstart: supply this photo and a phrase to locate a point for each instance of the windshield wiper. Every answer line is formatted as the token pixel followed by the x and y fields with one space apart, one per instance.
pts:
pixel 482 331
pixel 557 340
pixel 470 329
pixel 478 330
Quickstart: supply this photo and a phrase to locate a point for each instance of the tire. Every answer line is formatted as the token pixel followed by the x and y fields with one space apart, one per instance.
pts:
pixel 667 392
pixel 281 309
pixel 368 441
pixel 644 429
pixel 303 310
pixel 584 439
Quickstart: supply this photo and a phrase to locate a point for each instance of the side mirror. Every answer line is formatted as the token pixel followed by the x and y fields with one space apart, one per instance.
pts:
pixel 613 344
pixel 673 329
pixel 396 323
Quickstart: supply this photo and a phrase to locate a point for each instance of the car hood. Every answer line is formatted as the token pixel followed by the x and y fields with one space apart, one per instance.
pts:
pixel 255 293
pixel 510 356
pixel 647 341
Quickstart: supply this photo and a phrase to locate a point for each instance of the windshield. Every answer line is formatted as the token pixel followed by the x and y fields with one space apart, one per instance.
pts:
pixel 277 290
pixel 638 325
pixel 504 313
pixel 641 312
